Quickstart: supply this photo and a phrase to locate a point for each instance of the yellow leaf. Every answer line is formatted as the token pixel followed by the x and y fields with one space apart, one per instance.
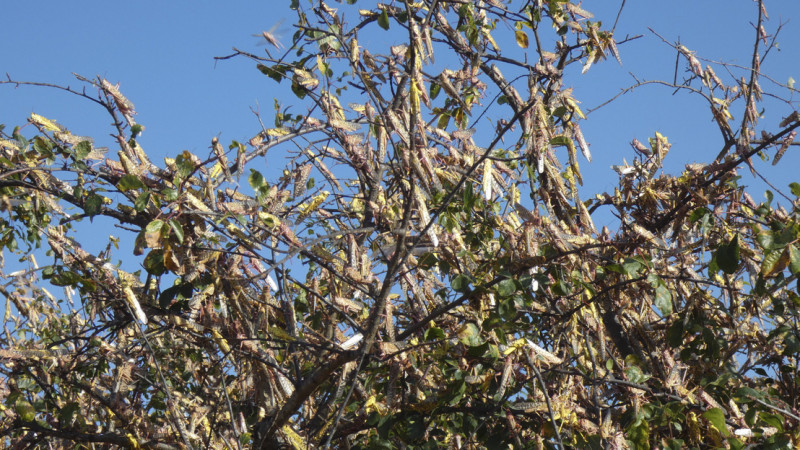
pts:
pixel 522 38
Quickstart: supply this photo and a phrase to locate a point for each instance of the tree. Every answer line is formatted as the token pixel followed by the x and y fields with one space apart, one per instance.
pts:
pixel 407 280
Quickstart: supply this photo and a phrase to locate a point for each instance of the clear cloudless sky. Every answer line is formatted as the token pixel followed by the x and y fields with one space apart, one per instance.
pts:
pixel 162 54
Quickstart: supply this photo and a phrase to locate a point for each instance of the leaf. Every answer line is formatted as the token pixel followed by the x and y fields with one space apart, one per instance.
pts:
pixel 522 38
pixel 560 140
pixel 717 418
pixel 663 300
pixel 171 261
pixel 185 164
pixel 434 333
pixel 25 410
pixel 774 262
pixel 468 334
pixel 93 204
pixel 68 411
pixel 506 287
pixel 631 267
pixel 383 20
pixel 635 375
pixel 794 259
pixel 795 187
pixel 460 283
pixel 255 179
pixel 727 256
pixel 154 262
pixel 141 201
pixel 152 233
pixel 276 72
pixel 177 228
pixel 82 150
pixel 128 182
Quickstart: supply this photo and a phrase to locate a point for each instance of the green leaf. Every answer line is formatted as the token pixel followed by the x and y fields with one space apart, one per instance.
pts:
pixel 560 140
pixel 154 262
pixel 170 194
pixel 698 214
pixel 795 187
pixel 128 182
pixel 434 333
pixel 43 146
pixel 93 204
pixel 255 179
pixel 177 228
pixel 717 418
pixel 522 38
pixel 25 410
pixel 468 334
pixel 675 334
pixel 434 90
pixel 727 256
pixel 794 259
pixel 141 201
pixel 766 239
pixel 635 375
pixel 460 283
pixel 180 291
pixel 631 267
pixel 67 412
pixel 276 72
pixel 82 150
pixel 184 164
pixel 506 287
pixel 773 420
pixel 773 263
pixel 383 20
pixel 663 300
pixel 427 260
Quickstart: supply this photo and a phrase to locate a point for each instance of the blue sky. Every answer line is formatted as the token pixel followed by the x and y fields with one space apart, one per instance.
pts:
pixel 162 55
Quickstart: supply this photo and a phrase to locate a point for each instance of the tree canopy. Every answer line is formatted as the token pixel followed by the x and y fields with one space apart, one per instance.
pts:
pixel 425 272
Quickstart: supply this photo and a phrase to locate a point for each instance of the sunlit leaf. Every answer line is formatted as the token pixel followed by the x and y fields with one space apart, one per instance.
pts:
pixel 460 283
pixel 717 418
pixel 129 182
pixel 663 300
pixel 153 233
pixel 383 20
pixel 522 38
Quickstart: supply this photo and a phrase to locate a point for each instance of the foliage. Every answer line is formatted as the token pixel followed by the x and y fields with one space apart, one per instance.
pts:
pixel 407 281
